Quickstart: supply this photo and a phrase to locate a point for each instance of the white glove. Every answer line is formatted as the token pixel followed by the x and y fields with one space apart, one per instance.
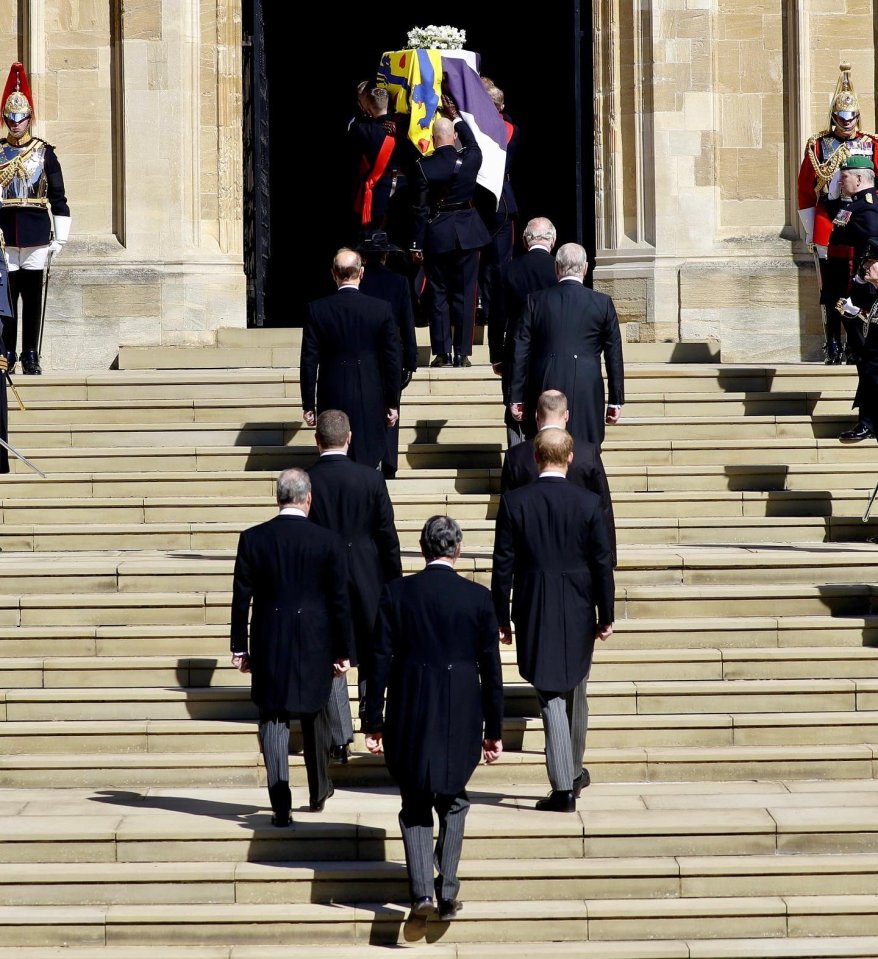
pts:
pixel 849 309
pixel 62 233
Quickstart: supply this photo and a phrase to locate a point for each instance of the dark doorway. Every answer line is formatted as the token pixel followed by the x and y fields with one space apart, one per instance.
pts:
pixel 305 97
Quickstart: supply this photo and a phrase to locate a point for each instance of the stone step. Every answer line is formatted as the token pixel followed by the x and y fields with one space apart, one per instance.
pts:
pixel 638 820
pixel 639 634
pixel 762 464
pixel 650 435
pixel 844 506
pixel 452 485
pixel 240 349
pixel 73 536
pixel 298 925
pixel 790 947
pixel 655 378
pixel 112 883
pixel 611 664
pixel 623 731
pixel 608 765
pixel 456 407
pixel 108 601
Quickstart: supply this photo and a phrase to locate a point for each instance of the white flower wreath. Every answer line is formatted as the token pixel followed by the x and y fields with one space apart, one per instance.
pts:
pixel 436 38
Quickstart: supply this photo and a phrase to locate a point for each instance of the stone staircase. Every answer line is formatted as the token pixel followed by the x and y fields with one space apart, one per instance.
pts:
pixel 734 713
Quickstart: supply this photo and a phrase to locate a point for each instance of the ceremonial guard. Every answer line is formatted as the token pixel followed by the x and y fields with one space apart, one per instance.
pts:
pixel 31 185
pixel 820 182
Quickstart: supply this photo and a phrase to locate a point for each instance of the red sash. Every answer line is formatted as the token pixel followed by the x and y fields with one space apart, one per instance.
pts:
pixel 364 201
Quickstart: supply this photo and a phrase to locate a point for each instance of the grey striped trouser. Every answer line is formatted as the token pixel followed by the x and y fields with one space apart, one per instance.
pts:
pixel 416 823
pixel 274 736
pixel 339 711
pixel 565 721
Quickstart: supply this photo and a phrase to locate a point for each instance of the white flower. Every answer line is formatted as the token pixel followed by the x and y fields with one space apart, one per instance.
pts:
pixel 436 38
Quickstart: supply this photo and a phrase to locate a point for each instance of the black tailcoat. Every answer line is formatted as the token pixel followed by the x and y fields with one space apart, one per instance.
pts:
pixel 350 362
pixel 436 654
pixel 586 470
pixel 558 345
pixel 352 500
pixel 552 552
pixel 384 284
pixel 296 575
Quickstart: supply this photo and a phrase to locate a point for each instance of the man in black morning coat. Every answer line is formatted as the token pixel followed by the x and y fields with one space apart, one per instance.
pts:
pixel 448 234
pixel 558 345
pixel 352 500
pixel 585 470
pixel 350 360
pixel 552 553
pixel 384 284
pixel 533 271
pixel 436 655
pixel 295 574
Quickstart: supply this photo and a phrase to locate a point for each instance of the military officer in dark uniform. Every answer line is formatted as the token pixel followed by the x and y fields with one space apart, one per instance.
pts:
pixel 862 307
pixel 448 234
pixel 31 184
pixel 854 219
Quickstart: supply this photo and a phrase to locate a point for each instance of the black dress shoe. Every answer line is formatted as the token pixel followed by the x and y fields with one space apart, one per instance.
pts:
pixel 442 359
pixel 581 781
pixel 339 754
pixel 558 800
pixel 282 819
pixel 462 361
pixel 30 363
pixel 449 908
pixel 317 805
pixel 859 432
pixel 421 908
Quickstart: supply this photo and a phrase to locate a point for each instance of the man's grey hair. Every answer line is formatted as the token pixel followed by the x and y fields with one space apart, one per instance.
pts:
pixel 440 537
pixel 539 229
pixel 571 260
pixel 293 487
pixel 868 177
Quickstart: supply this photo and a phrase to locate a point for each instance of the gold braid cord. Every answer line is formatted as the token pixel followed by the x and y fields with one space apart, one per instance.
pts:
pixel 15 167
pixel 824 170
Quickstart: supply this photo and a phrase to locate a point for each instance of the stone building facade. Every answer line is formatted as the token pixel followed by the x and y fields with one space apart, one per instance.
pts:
pixel 702 108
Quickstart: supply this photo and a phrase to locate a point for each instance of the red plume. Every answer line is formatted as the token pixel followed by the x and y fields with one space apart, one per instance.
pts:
pixel 17 80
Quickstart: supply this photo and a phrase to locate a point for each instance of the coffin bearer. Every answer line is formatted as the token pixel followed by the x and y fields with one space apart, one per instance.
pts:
pixel 31 186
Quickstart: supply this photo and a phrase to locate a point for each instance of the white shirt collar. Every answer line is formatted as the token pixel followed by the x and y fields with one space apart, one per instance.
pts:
pixel 442 561
pixel 570 279
pixel 333 453
pixel 293 511
pixel 547 473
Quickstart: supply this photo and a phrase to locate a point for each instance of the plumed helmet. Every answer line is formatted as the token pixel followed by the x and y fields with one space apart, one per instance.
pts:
pixel 844 101
pixel 17 99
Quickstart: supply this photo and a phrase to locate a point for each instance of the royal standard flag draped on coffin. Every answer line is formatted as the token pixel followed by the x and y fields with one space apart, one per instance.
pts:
pixel 414 80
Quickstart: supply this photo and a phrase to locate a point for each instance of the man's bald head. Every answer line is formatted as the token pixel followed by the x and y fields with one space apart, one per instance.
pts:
pixel 443 132
pixel 540 231
pixel 346 265
pixel 552 409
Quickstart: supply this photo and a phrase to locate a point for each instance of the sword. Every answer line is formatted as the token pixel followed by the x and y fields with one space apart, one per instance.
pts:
pixel 15 392
pixel 22 457
pixel 45 300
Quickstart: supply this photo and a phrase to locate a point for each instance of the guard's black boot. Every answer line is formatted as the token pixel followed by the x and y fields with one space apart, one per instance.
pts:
pixel 30 363
pixel 833 352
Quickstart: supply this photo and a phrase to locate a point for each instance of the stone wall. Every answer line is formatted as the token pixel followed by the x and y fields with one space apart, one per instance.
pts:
pixel 726 92
pixel 143 104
